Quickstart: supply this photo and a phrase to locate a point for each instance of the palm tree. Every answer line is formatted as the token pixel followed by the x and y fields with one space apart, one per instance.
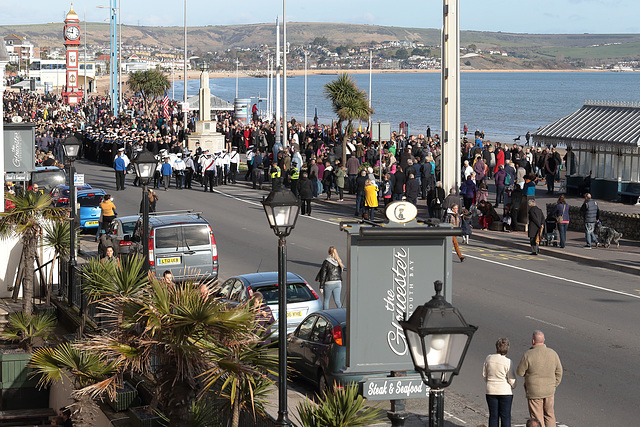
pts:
pixel 27 219
pixel 25 328
pixel 349 103
pixel 150 84
pixel 169 331
pixel 57 237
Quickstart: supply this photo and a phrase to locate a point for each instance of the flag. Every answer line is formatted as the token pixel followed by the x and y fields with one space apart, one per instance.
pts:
pixel 165 105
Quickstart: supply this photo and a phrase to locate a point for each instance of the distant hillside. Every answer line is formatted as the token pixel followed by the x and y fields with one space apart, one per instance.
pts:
pixel 589 49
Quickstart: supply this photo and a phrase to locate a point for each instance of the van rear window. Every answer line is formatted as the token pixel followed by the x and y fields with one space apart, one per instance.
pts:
pixel 196 235
pixel 167 238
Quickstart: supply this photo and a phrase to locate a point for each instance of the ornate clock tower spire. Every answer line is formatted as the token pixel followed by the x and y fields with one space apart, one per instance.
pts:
pixel 72 94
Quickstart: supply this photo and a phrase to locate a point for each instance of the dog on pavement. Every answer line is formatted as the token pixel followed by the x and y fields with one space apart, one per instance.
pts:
pixel 607 235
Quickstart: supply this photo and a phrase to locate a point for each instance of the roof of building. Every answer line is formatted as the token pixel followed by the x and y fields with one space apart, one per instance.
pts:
pixel 598 121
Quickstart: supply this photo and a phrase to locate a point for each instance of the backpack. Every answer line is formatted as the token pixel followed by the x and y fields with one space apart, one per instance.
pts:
pixel 507 179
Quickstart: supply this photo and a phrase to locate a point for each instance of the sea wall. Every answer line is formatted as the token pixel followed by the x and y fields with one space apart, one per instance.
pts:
pixel 627 224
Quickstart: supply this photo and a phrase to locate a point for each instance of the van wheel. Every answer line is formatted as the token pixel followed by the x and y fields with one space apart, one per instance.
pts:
pixel 323 385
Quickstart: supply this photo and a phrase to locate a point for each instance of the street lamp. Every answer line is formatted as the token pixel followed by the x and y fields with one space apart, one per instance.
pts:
pixel 145 165
pixel 282 209
pixel 438 337
pixel 71 147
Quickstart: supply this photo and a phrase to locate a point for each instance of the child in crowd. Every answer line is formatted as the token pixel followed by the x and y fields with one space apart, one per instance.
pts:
pixel 465 224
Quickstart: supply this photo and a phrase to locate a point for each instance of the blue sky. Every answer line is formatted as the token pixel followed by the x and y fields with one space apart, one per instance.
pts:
pixel 518 16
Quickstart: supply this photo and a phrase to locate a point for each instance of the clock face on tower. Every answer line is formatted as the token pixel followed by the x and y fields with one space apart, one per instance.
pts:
pixel 72 32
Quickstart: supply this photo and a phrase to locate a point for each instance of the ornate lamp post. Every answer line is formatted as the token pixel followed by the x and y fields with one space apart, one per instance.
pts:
pixel 282 209
pixel 145 165
pixel 438 337
pixel 71 147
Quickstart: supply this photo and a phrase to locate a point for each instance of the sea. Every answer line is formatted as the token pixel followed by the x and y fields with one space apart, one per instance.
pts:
pixel 503 105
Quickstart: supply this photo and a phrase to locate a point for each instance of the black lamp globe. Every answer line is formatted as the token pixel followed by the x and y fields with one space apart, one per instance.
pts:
pixel 282 209
pixel 145 165
pixel 71 146
pixel 438 338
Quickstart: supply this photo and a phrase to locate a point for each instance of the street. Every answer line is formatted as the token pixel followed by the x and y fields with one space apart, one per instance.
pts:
pixel 588 314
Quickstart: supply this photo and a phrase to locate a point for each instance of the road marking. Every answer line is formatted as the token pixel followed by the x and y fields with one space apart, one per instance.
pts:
pixel 551 276
pixel 454 417
pixel 546 323
pixel 260 205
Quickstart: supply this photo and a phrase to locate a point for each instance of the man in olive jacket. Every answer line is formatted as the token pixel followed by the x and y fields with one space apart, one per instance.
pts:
pixel 542 371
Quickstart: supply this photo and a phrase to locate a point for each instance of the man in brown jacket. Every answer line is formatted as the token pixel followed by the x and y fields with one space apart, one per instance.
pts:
pixel 542 371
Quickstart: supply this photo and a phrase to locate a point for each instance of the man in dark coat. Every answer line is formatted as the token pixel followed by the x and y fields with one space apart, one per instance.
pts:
pixel 305 191
pixel 412 189
pixel 536 226
pixel 398 186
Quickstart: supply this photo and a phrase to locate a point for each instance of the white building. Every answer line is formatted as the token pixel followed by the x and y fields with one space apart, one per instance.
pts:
pixel 52 74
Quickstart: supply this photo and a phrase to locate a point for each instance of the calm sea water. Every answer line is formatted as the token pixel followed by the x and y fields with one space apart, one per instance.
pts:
pixel 504 105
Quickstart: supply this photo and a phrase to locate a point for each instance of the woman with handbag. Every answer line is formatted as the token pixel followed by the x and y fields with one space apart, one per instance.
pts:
pixel 561 214
pixel 330 278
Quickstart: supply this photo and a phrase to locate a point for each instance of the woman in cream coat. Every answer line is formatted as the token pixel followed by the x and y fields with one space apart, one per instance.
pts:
pixel 500 375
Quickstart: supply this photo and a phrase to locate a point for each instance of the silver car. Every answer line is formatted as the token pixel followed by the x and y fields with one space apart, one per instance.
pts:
pixel 302 300
pixel 118 235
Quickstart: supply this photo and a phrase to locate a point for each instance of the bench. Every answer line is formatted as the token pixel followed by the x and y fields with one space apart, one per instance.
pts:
pixel 631 193
pixel 22 417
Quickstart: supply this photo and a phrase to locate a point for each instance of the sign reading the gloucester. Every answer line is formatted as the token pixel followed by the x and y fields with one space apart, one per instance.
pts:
pixel 389 272
pixel 394 388
pixel 19 147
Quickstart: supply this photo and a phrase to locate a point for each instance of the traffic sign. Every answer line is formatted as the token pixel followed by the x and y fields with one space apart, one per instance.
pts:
pixel 380 132
pixel 185 107
pixel 78 179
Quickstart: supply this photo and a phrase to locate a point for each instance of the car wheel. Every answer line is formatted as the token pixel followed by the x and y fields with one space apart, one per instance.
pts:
pixel 323 385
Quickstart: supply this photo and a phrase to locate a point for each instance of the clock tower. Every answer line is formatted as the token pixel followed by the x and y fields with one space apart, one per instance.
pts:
pixel 72 94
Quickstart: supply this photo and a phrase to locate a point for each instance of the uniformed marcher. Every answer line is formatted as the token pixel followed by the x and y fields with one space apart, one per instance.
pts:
pixel 120 168
pixel 209 172
pixel 190 167
pixel 179 168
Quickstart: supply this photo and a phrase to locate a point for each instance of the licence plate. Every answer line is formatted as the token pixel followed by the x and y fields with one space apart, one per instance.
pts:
pixel 294 314
pixel 169 261
pixel 92 223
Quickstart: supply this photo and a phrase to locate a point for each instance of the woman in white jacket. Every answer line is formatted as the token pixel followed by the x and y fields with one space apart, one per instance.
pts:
pixel 500 375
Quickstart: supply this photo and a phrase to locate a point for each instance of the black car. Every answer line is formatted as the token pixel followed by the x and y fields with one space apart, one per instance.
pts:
pixel 317 350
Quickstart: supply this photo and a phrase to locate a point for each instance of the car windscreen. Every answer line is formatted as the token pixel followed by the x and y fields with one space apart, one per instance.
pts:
pixel 90 200
pixel 195 235
pixel 49 178
pixel 296 292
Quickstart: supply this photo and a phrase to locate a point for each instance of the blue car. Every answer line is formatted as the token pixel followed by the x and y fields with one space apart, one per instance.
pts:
pixel 89 201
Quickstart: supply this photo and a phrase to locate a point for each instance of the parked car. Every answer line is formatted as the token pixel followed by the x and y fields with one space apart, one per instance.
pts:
pixel 118 235
pixel 60 194
pixel 317 351
pixel 89 201
pixel 48 177
pixel 181 243
pixel 301 298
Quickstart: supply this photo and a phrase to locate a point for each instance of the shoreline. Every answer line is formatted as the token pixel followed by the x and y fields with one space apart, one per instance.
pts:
pixel 102 82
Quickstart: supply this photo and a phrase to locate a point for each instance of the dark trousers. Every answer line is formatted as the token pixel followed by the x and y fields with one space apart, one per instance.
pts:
pixel 499 194
pixel 233 170
pixel 119 180
pixel 219 176
pixel 549 178
pixel 257 177
pixel 352 184
pixel 249 171
pixel 209 178
pixel 499 409
pixel 359 202
pixel 166 181
pixel 306 206
pixel 468 201
pixel 340 193
pixel 188 177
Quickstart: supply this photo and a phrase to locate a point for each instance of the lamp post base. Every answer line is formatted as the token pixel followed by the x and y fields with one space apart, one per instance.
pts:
pixel 436 408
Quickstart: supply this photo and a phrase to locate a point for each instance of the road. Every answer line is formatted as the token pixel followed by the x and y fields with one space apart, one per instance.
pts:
pixel 589 314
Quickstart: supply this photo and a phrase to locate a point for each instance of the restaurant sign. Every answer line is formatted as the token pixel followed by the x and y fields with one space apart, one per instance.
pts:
pixel 391 388
pixel 19 147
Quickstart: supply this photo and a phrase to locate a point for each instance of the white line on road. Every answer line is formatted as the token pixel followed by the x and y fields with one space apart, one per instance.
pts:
pixel 260 204
pixel 546 323
pixel 551 276
pixel 454 417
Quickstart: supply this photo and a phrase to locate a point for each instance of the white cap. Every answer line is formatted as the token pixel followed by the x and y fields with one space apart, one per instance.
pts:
pixel 179 154
pixel 120 149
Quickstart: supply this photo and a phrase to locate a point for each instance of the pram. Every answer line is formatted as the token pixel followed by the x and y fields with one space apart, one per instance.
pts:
pixel 551 232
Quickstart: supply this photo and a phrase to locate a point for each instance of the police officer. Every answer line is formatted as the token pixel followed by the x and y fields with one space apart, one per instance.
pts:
pixel 276 177
pixel 295 176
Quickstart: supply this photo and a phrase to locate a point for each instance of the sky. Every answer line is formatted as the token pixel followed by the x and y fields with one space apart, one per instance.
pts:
pixel 511 16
